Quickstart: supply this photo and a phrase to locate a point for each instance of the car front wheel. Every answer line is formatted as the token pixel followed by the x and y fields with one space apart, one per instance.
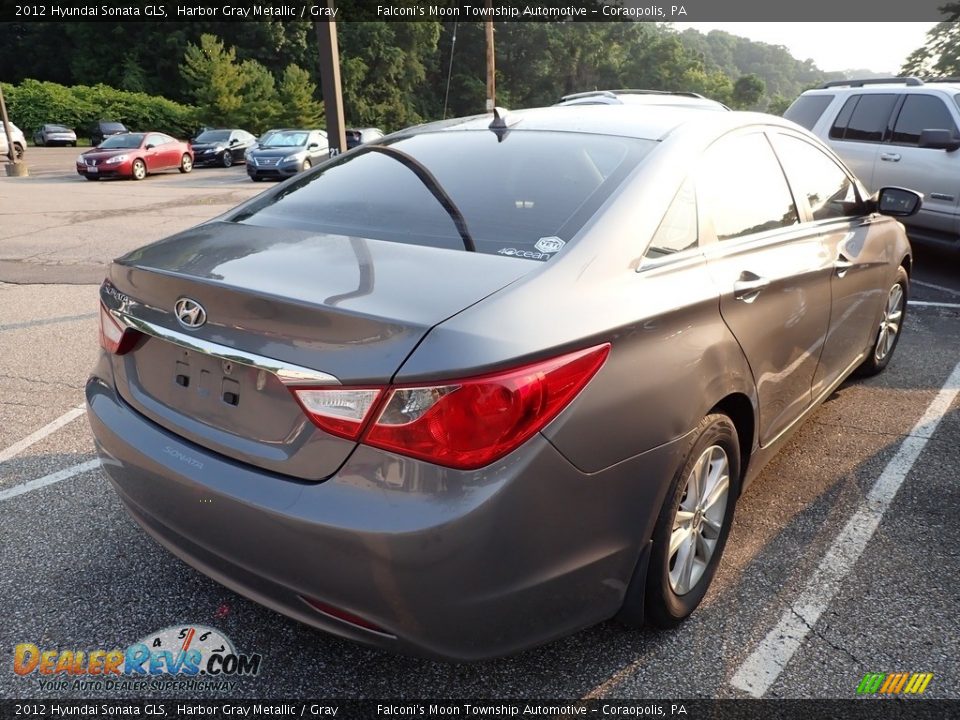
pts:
pixel 139 169
pixel 694 523
pixel 891 326
pixel 227 160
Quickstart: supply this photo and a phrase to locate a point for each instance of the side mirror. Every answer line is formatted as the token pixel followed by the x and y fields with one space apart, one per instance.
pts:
pixel 939 140
pixel 234 141
pixel 313 146
pixel 150 146
pixel 897 202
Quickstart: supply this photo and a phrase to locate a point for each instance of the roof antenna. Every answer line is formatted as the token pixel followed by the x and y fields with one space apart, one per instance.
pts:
pixel 502 121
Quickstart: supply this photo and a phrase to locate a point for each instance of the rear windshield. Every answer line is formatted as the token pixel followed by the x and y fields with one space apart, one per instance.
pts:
pixel 213 136
pixel 126 141
pixel 517 194
pixel 807 109
pixel 57 128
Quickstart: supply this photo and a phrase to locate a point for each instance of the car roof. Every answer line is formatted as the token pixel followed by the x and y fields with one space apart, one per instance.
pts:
pixel 885 85
pixel 649 122
pixel 640 97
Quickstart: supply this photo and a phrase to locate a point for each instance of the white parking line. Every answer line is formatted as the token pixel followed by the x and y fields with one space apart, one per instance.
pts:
pixel 40 434
pixel 46 480
pixel 935 287
pixel 764 665
pixel 922 303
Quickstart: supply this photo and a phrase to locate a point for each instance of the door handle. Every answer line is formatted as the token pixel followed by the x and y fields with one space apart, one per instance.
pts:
pixel 841 265
pixel 890 157
pixel 748 287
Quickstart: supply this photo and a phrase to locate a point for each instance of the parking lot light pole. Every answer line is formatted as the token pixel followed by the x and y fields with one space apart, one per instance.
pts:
pixel 330 82
pixel 14 167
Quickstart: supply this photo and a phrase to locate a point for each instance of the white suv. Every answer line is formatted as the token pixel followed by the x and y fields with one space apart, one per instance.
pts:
pixel 19 142
pixel 895 131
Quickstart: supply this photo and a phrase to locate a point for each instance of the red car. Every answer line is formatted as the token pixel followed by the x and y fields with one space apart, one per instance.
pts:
pixel 135 155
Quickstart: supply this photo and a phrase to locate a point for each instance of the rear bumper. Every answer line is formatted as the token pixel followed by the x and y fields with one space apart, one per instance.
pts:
pixel 456 565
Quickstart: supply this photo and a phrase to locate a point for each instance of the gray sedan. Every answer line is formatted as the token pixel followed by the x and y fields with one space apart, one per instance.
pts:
pixel 284 153
pixel 496 379
pixel 55 135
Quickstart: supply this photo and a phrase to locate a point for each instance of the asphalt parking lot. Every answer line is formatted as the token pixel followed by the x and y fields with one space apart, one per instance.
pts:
pixel 843 559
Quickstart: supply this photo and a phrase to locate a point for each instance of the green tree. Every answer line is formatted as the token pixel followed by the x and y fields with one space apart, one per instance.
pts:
pixel 747 91
pixel 215 78
pixel 261 103
pixel 298 108
pixel 940 54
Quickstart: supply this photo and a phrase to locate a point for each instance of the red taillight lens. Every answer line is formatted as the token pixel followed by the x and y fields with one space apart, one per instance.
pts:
pixel 114 338
pixel 338 411
pixel 472 423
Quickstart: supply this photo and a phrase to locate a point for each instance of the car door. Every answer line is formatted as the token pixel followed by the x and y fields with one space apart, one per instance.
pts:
pixel 153 152
pixel 771 271
pixel 930 171
pixel 856 243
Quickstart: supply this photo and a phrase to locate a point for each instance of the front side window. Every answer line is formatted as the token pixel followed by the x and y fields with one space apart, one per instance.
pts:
pixel 125 141
pixel 829 191
pixel 515 194
pixel 919 113
pixel 741 188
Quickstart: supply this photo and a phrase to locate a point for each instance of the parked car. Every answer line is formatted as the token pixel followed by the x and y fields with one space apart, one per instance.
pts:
pixel 55 135
pixel 261 140
pixel 286 153
pixel 895 131
pixel 641 97
pixel 19 142
pixel 221 147
pixel 103 129
pixel 361 136
pixel 135 155
pixel 492 381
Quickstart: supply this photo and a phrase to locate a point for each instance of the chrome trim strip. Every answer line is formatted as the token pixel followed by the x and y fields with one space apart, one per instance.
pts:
pixel 287 373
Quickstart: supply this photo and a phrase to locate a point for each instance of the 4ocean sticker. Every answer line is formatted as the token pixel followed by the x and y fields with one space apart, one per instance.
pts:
pixel 193 657
pixel 545 247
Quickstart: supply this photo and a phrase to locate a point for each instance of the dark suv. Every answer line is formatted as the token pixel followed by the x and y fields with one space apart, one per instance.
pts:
pixel 103 129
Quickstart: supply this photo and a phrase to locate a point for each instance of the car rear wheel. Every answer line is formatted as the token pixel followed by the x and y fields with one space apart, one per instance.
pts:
pixel 227 160
pixel 18 151
pixel 139 169
pixel 186 163
pixel 891 325
pixel 693 524
pixel 38 141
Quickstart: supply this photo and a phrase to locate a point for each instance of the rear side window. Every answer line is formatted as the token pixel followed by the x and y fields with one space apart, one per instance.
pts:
pixel 807 109
pixel 921 112
pixel 742 188
pixel 864 118
pixel 678 229
pixel 518 193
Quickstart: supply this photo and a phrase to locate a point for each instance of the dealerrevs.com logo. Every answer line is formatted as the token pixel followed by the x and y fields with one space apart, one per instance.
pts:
pixel 180 657
pixel 898 683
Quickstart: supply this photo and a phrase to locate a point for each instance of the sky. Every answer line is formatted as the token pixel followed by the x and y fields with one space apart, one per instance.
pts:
pixel 881 47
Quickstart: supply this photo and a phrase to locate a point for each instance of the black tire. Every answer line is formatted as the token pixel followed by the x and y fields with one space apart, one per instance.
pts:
pixel 227 159
pixel 73 144
pixel 91 177
pixel 18 151
pixel 138 171
pixel 256 178
pixel 186 164
pixel 38 141
pixel 883 346
pixel 666 602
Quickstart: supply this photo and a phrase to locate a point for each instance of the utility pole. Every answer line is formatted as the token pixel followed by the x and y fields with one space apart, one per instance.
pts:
pixel 15 168
pixel 491 72
pixel 330 82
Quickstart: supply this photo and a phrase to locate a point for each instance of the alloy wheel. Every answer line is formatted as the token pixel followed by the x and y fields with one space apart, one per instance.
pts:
pixel 890 323
pixel 699 519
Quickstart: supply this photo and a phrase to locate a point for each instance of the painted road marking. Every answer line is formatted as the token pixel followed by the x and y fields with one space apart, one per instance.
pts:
pixel 764 665
pixel 941 288
pixel 921 303
pixel 40 434
pixel 50 479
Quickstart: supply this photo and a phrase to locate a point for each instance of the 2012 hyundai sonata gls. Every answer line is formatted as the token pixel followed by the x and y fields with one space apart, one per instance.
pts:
pixel 495 379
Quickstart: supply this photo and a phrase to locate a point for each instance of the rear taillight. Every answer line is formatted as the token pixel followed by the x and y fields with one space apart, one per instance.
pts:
pixel 463 424
pixel 115 338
